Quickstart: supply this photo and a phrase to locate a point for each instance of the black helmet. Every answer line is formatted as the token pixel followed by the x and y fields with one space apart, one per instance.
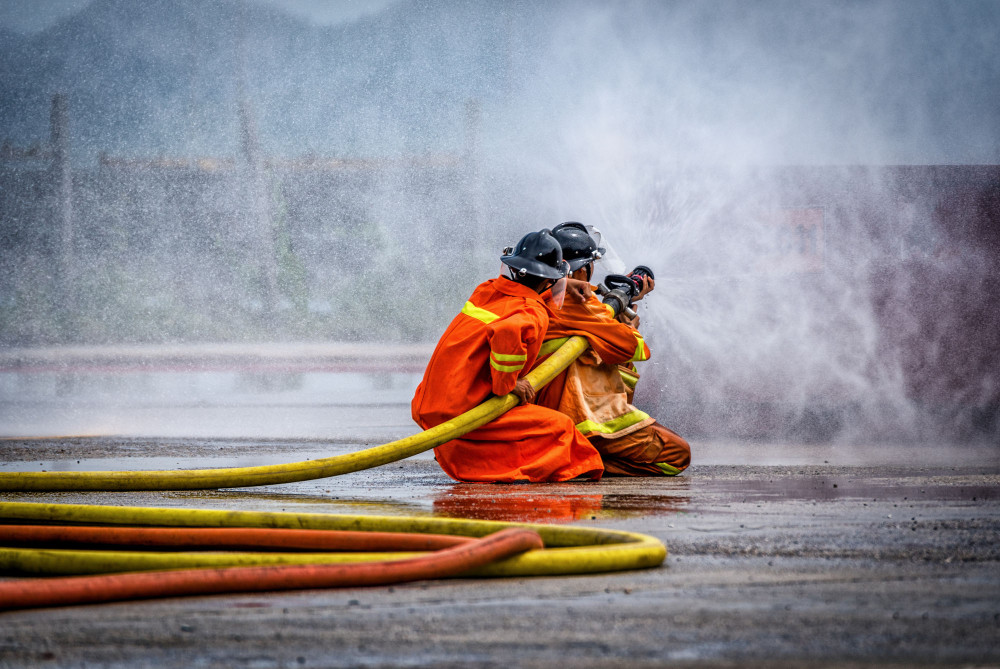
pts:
pixel 538 254
pixel 578 247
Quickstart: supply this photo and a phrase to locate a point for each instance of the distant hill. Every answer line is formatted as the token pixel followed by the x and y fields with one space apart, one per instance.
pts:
pixel 166 77
pixel 676 80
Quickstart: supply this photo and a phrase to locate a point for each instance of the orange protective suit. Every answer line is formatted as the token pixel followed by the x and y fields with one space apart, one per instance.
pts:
pixel 596 391
pixel 486 348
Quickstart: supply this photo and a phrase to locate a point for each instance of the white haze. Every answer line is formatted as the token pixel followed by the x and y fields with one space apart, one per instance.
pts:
pixel 628 126
pixel 658 123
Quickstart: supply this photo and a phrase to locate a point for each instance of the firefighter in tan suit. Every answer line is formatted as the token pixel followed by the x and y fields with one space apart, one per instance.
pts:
pixel 596 390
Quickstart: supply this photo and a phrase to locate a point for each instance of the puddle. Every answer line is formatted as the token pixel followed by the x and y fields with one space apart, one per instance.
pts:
pixel 548 503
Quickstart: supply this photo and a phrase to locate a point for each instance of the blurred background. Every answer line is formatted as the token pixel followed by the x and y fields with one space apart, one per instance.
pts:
pixel 275 192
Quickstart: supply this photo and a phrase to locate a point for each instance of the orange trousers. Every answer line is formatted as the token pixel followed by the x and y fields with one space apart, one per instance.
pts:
pixel 637 453
pixel 528 443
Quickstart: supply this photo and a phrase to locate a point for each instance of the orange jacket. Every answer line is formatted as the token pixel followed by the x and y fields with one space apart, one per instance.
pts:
pixel 592 391
pixel 486 348
pixel 615 342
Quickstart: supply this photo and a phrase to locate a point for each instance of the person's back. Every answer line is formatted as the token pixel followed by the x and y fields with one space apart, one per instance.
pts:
pixel 482 351
pixel 487 349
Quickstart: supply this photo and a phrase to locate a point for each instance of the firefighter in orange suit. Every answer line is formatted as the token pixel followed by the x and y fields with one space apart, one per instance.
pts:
pixel 487 349
pixel 596 390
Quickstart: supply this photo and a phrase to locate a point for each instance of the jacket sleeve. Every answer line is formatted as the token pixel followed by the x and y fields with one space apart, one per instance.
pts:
pixel 641 348
pixel 514 341
pixel 613 341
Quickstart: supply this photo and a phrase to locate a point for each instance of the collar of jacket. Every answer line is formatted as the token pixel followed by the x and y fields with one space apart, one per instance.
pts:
pixel 514 289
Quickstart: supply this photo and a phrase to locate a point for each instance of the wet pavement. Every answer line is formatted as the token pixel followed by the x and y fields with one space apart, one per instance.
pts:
pixel 779 556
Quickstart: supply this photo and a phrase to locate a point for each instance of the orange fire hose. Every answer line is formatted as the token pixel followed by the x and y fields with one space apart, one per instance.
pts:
pixel 228 537
pixel 451 561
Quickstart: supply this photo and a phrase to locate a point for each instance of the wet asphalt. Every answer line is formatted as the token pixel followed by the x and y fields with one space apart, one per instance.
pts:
pixel 778 556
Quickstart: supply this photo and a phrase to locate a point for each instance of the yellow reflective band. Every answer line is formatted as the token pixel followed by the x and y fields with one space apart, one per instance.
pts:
pixel 640 353
pixel 505 368
pixel 509 357
pixel 551 345
pixel 614 425
pixel 610 309
pixel 629 379
pixel 667 469
pixel 479 313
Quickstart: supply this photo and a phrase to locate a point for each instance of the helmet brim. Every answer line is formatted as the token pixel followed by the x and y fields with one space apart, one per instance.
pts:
pixel 577 263
pixel 536 268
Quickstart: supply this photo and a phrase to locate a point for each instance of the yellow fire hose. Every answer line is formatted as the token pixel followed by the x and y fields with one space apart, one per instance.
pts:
pixel 239 477
pixel 568 550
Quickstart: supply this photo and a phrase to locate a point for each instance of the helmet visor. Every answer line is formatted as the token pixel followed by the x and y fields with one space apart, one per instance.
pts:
pixel 595 234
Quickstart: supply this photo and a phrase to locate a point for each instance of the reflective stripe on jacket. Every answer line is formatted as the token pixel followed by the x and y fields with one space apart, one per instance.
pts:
pixel 491 343
pixel 613 341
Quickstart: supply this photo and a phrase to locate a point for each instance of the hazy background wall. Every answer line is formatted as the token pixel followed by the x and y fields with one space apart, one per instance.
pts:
pixel 238 172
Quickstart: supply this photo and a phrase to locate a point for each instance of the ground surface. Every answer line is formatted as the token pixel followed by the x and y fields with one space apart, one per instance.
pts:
pixel 814 562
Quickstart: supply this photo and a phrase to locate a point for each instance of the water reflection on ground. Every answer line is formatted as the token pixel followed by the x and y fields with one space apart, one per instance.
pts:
pixel 527 503
pixel 540 503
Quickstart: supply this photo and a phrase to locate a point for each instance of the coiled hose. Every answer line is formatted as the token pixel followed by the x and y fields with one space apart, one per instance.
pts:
pixel 140 585
pixel 567 550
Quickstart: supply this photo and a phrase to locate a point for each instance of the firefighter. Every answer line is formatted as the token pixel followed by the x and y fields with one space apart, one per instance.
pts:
pixel 596 390
pixel 487 349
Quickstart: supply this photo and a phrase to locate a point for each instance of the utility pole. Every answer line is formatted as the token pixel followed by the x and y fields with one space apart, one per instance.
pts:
pixel 471 164
pixel 255 183
pixel 61 180
pixel 259 215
